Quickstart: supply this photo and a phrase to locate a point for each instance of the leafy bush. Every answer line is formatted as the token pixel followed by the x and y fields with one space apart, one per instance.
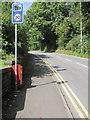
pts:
pixel 79 46
pixel 85 46
pixel 73 43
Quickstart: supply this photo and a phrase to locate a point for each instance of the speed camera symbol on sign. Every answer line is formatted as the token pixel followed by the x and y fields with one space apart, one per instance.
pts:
pixel 17 17
pixel 17 13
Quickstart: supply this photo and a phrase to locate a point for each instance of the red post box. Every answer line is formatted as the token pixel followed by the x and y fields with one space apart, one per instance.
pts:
pixel 19 75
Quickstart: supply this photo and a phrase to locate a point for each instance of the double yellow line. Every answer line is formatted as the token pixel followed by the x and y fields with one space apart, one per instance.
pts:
pixel 69 92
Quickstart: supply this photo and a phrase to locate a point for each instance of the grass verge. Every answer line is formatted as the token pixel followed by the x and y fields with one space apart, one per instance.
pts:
pixel 68 52
pixel 3 61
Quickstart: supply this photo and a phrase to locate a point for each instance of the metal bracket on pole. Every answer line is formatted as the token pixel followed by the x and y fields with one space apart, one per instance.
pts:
pixel 16 56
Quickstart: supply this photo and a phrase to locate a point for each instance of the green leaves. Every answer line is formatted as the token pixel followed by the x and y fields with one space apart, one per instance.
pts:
pixel 57 23
pixel 47 26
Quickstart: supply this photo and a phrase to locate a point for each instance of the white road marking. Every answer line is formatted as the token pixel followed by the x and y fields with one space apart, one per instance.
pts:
pixel 70 91
pixel 82 65
pixel 68 94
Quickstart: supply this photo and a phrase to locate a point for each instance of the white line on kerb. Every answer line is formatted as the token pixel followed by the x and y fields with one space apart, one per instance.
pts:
pixel 82 65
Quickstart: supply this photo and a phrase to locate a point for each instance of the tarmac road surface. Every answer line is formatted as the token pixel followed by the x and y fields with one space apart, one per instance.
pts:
pixel 43 95
pixel 43 100
pixel 73 69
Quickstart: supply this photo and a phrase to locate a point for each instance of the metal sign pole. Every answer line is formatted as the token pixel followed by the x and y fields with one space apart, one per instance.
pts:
pixel 17 17
pixel 16 56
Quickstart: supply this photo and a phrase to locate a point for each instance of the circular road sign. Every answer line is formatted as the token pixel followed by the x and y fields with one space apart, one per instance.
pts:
pixel 17 17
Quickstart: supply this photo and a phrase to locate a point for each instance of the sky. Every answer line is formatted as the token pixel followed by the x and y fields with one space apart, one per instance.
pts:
pixel 26 4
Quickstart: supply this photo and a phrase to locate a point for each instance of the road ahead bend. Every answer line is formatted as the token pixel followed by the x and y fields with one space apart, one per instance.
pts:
pixel 73 69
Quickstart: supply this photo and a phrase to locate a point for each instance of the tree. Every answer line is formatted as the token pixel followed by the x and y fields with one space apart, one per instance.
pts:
pixel 7 28
pixel 8 32
pixel 45 17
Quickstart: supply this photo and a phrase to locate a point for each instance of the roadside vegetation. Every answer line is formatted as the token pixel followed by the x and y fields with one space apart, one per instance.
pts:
pixel 48 26
pixel 5 61
pixel 68 52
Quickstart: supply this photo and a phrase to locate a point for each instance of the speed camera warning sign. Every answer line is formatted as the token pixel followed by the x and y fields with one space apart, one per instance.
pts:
pixel 17 13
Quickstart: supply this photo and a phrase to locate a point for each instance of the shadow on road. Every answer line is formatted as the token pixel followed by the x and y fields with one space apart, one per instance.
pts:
pixel 32 66
pixel 43 56
pixel 40 69
pixel 62 82
pixel 59 69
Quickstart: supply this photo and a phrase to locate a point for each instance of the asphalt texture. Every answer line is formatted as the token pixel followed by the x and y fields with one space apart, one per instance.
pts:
pixel 38 97
pixel 74 70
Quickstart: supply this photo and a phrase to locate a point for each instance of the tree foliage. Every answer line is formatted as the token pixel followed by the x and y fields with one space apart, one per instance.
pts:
pixel 59 25
pixel 48 26
pixel 8 32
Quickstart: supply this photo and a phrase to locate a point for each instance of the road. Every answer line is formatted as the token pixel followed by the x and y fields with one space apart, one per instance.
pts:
pixel 39 96
pixel 45 94
pixel 42 98
pixel 72 69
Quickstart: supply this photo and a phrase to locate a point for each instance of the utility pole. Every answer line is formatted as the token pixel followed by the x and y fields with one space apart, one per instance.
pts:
pixel 81 27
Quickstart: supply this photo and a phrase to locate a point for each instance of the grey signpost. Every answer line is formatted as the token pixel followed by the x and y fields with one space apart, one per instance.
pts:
pixel 17 17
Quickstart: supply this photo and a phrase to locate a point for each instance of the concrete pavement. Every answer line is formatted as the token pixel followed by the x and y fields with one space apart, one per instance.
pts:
pixel 73 69
pixel 43 99
pixel 39 96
